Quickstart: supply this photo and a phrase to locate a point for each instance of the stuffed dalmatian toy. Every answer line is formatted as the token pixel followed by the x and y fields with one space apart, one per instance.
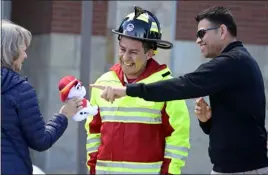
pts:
pixel 71 87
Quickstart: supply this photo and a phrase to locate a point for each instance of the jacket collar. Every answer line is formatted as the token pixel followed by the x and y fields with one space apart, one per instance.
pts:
pixel 232 45
pixel 152 67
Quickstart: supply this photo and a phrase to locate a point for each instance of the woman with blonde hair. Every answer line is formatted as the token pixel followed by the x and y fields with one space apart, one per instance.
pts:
pixel 22 126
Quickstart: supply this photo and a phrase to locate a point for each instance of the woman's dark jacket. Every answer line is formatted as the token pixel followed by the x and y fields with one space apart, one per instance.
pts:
pixel 22 125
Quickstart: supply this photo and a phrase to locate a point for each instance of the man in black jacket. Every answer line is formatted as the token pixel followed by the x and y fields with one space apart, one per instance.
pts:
pixel 234 83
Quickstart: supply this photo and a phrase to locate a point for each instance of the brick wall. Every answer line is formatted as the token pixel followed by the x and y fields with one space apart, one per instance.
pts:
pixel 100 17
pixel 251 18
pixel 66 17
pixel 33 15
pixel 58 16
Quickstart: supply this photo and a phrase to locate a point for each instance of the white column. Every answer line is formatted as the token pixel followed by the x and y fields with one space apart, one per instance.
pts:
pixel 6 13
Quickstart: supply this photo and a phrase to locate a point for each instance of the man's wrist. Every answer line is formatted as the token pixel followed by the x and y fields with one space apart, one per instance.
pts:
pixel 133 90
pixel 204 123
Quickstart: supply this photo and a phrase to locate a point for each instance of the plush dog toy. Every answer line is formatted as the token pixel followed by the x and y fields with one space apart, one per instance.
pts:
pixel 71 87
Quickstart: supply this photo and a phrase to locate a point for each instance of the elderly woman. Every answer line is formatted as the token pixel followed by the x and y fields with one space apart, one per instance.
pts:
pixel 22 124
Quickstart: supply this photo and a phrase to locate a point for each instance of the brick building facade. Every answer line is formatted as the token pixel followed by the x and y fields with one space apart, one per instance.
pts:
pixel 58 16
pixel 251 17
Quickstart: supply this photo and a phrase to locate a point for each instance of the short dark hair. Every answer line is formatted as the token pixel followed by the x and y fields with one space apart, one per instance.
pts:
pixel 219 15
pixel 147 45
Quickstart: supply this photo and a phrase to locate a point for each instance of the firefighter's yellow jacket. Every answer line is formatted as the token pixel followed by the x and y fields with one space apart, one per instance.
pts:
pixel 134 136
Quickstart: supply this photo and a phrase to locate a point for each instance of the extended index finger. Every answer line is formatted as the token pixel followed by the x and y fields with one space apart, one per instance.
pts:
pixel 102 87
pixel 198 101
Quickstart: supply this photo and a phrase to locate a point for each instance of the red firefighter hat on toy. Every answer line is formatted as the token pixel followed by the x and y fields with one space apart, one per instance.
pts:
pixel 65 85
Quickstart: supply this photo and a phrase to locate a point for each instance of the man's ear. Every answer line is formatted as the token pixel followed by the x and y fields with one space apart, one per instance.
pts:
pixel 150 53
pixel 223 31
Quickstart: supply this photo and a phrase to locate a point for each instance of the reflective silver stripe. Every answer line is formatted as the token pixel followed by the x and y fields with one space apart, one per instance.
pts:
pixel 99 172
pixel 91 149
pixel 93 140
pixel 108 81
pixel 126 109
pixel 132 118
pixel 177 148
pixel 175 156
pixel 128 165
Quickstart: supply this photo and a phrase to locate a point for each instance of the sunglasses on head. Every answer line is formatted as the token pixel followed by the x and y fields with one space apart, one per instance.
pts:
pixel 201 33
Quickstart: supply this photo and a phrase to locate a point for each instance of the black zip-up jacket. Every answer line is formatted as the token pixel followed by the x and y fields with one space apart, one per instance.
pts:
pixel 235 87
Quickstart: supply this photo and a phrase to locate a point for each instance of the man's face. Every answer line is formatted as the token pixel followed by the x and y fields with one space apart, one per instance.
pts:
pixel 132 57
pixel 210 42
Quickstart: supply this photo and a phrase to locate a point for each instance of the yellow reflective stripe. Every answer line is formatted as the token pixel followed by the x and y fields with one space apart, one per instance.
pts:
pixel 155 77
pixel 177 148
pixel 130 165
pixel 111 167
pixel 154 27
pixel 117 172
pixel 174 155
pixel 93 136
pixel 92 149
pixel 128 119
pixel 94 140
pixel 108 81
pixel 144 17
pixel 125 109
pixel 129 114
pixel 176 166
pixel 130 16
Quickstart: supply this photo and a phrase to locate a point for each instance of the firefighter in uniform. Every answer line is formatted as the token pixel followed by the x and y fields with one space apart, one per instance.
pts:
pixel 131 135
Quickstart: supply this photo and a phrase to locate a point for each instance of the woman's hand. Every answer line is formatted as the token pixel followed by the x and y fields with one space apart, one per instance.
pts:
pixel 71 107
